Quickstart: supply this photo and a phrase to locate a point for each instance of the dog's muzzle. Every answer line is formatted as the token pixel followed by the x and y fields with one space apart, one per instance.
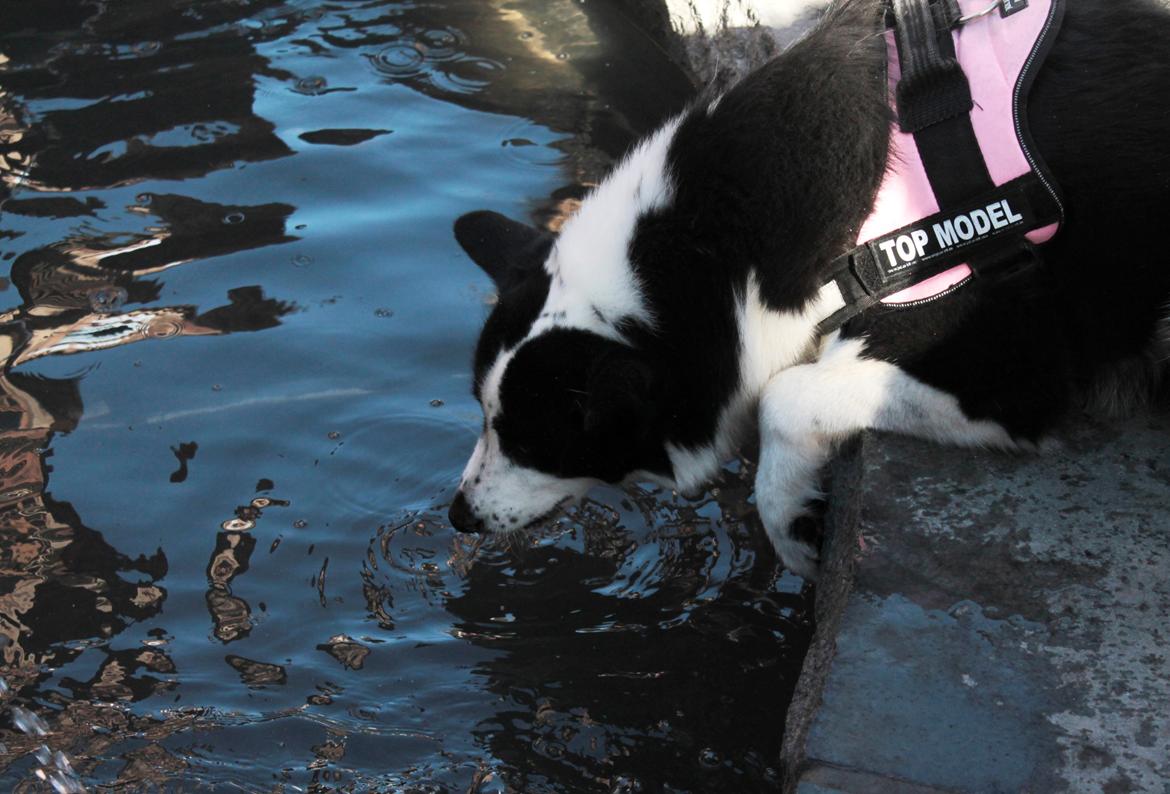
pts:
pixel 461 516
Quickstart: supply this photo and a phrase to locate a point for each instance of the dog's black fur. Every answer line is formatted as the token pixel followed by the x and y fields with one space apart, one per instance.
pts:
pixel 776 180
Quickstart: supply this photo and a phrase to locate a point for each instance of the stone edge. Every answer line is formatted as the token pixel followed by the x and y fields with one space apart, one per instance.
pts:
pixel 838 560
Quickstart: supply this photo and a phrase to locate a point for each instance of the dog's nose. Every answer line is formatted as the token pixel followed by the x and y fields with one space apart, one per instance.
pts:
pixel 461 516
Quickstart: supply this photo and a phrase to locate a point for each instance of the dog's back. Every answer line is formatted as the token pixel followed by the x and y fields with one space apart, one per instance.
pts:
pixel 1092 321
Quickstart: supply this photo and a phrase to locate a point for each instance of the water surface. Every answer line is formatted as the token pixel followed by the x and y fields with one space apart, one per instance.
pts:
pixel 236 335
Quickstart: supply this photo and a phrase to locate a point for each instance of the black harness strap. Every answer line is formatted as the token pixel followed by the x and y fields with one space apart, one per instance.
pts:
pixel 933 87
pixel 934 100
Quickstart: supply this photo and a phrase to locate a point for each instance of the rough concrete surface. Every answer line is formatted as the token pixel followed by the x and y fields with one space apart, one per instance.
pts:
pixel 1007 628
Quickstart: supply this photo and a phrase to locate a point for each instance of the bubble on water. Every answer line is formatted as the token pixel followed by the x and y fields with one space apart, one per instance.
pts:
pixel 710 757
pixel 399 60
pixel 232 218
pixel 144 198
pixel 302 260
pixel 310 86
pixel 28 722
pixel 468 75
pixel 238 525
pixel 437 403
pixel 300 523
pixel 163 328
pixel 146 48
pixel 383 312
pixel 440 44
pixel 106 300
pixel 562 56
pixel 334 435
pixel 527 35
pixel 626 785
pixel 216 387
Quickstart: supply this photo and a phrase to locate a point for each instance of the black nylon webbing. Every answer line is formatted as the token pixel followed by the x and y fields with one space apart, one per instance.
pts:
pixel 950 151
pixel 933 87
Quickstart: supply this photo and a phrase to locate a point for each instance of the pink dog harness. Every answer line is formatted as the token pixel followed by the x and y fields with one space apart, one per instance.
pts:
pixel 965 193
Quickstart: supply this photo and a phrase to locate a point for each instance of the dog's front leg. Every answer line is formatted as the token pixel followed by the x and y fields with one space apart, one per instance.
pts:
pixel 806 409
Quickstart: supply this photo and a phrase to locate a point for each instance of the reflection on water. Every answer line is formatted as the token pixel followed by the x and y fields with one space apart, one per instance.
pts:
pixel 233 403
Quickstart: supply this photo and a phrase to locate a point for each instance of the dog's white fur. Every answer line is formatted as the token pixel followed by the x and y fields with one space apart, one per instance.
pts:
pixel 589 264
pixel 694 16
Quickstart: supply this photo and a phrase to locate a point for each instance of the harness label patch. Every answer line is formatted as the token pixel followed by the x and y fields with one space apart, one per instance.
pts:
pixel 942 235
pixel 1009 7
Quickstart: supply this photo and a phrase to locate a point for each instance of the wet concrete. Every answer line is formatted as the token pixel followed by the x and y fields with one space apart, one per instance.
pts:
pixel 1005 628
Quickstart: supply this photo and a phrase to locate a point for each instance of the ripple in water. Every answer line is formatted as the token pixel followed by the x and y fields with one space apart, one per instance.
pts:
pixel 406 59
pixel 146 48
pixel 399 61
pixel 467 75
pixel 527 144
pixel 410 461
pixel 418 553
pixel 441 44
pixel 310 86
pixel 162 328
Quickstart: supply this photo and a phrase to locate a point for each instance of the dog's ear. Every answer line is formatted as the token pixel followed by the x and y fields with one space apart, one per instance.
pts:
pixel 507 250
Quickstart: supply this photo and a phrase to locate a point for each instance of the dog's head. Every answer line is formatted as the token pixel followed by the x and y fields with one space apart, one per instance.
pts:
pixel 565 406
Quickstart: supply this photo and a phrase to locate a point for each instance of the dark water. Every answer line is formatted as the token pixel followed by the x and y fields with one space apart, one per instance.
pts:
pixel 235 402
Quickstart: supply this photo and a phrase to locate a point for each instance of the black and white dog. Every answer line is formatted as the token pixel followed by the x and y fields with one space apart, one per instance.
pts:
pixel 682 301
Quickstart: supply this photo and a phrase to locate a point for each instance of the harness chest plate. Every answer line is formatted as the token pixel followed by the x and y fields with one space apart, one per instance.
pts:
pixel 965 192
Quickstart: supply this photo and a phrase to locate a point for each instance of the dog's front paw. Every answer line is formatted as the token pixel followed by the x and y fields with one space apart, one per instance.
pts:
pixel 792 534
pixel 798 556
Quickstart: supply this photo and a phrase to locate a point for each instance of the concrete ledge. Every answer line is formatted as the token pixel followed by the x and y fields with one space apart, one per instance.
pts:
pixel 1006 627
pixel 839 558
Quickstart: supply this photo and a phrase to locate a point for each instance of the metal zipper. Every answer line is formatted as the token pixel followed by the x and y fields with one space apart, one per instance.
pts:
pixel 1024 74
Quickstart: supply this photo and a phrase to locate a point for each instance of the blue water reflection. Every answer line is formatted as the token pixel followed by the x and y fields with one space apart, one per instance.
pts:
pixel 235 401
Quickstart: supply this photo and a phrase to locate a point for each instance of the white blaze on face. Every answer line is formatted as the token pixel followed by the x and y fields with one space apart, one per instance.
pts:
pixel 592 287
pixel 507 496
pixel 500 492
